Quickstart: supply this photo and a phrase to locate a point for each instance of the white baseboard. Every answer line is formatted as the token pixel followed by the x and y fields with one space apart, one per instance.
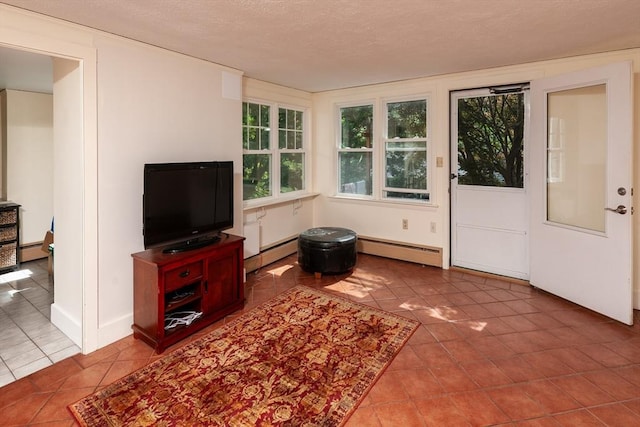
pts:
pixel 427 255
pixel 115 330
pixel 270 255
pixel 67 324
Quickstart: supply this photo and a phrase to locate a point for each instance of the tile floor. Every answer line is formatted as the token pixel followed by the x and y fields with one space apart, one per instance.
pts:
pixel 488 352
pixel 29 342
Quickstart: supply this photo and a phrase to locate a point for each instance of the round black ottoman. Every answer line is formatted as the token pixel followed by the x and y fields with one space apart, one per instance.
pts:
pixel 327 250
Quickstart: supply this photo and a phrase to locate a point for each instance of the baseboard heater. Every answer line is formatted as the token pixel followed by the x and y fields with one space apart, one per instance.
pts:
pixel 426 255
pixel 419 254
pixel 271 254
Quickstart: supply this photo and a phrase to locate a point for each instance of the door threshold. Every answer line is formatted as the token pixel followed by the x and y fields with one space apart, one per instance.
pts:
pixel 464 270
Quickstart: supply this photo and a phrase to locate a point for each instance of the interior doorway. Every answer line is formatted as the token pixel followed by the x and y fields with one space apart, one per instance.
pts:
pixel 32 341
pixel 74 311
pixel 489 202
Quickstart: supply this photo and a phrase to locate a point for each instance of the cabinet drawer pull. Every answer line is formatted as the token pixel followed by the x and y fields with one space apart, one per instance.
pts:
pixel 185 273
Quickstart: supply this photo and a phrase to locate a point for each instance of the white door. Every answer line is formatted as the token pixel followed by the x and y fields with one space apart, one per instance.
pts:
pixel 489 219
pixel 580 153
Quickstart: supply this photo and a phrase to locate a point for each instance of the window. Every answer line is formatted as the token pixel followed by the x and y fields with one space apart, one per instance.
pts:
pixel 257 154
pixel 355 150
pixel 403 151
pixel 261 150
pixel 291 136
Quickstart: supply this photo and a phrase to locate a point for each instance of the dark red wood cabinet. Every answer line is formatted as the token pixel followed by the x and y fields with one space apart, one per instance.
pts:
pixel 207 280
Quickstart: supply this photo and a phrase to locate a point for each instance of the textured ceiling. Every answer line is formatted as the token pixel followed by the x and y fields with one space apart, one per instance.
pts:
pixel 318 45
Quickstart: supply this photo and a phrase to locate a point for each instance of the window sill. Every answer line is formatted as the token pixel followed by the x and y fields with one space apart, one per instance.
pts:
pixel 371 201
pixel 272 201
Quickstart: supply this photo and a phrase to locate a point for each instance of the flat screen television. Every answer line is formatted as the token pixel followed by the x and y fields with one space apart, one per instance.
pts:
pixel 186 205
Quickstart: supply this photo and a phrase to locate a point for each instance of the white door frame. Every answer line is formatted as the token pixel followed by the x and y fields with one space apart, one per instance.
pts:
pixel 489 225
pixel 75 310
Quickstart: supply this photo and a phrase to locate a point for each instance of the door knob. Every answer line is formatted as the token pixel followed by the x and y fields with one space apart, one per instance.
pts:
pixel 621 209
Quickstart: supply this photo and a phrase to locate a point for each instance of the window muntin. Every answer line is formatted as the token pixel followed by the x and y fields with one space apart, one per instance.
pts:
pixel 355 150
pixel 290 132
pixel 405 151
pixel 262 152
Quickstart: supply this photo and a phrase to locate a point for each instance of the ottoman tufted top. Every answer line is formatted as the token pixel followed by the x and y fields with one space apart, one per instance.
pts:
pixel 328 235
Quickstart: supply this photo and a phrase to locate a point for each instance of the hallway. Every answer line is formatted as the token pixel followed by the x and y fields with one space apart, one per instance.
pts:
pixel 29 341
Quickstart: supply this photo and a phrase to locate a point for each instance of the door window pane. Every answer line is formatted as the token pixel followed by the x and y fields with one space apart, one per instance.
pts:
pixel 490 140
pixel 576 157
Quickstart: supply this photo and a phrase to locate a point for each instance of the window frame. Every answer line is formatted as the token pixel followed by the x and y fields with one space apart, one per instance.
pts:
pixel 259 151
pixel 303 150
pixel 372 149
pixel 275 151
pixel 378 150
pixel 384 138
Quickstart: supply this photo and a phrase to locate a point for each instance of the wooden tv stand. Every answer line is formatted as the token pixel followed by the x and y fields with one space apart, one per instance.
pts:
pixel 207 280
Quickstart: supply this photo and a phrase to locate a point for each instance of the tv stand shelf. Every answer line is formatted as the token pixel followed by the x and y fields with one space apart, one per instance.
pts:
pixel 206 280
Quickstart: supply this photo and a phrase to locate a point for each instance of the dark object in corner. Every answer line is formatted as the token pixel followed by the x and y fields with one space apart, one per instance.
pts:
pixel 327 250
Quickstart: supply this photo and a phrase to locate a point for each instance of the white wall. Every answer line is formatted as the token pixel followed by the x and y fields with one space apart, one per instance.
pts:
pixel 75 176
pixel 117 105
pixel 137 104
pixel 3 138
pixel 383 220
pixel 73 248
pixel 153 106
pixel 29 161
pixel 379 218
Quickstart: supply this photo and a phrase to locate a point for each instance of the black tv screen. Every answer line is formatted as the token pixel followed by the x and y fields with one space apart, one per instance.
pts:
pixel 186 202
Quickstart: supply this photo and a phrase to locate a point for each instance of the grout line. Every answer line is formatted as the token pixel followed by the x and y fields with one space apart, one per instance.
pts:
pixel 45 319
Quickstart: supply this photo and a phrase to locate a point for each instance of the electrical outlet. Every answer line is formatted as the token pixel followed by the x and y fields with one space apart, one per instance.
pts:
pixel 405 224
pixel 433 227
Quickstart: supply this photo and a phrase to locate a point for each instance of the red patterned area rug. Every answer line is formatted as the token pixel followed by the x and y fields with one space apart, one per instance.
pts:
pixel 304 358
